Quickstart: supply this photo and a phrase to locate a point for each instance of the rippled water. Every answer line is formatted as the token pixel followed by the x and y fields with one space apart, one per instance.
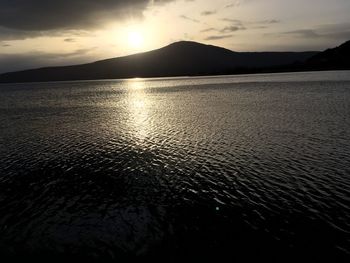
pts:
pixel 236 166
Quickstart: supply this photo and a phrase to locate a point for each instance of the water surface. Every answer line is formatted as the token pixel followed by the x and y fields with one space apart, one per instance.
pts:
pixel 237 166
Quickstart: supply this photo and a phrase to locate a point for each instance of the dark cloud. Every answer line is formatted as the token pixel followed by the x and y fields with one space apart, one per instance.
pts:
pixel 218 37
pixel 339 32
pixel 14 62
pixel 229 29
pixel 272 21
pixel 258 22
pixel 260 27
pixel 70 40
pixel 304 33
pixel 13 34
pixel 4 45
pixel 38 15
pixel 237 24
pixel 225 30
pixel 231 20
pixel 234 22
pixel 208 13
pixel 313 34
pixel 189 19
pixel 208 30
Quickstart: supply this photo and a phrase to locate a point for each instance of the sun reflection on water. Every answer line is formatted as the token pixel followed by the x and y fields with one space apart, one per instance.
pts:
pixel 139 109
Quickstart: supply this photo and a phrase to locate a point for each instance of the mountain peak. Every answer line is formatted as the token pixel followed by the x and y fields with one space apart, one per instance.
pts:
pixel 346 44
pixel 187 43
pixel 182 58
pixel 192 44
pixel 338 57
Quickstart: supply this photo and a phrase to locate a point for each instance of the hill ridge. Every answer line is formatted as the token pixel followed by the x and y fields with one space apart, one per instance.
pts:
pixel 182 58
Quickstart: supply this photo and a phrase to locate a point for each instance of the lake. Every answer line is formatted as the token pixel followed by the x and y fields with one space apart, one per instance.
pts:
pixel 244 167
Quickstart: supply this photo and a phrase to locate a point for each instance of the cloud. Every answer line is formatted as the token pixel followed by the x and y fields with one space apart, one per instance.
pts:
pixel 14 62
pixel 231 20
pixel 238 3
pixel 13 34
pixel 224 32
pixel 39 15
pixel 234 4
pixel 189 19
pixel 4 44
pixel 69 40
pixel 208 30
pixel 271 21
pixel 237 24
pixel 339 32
pixel 257 22
pixel 234 22
pixel 232 29
pixel 218 37
pixel 304 33
pixel 208 13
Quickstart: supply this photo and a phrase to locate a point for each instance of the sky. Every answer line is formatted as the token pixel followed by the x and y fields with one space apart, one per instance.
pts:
pixel 36 33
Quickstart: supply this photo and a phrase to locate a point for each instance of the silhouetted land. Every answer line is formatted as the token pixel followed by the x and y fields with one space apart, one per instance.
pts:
pixel 335 58
pixel 189 59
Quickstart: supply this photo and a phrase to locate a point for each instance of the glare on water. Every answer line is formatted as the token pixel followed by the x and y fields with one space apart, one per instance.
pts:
pixel 232 165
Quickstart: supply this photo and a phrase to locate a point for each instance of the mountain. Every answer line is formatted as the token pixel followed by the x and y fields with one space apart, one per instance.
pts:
pixel 335 58
pixel 178 59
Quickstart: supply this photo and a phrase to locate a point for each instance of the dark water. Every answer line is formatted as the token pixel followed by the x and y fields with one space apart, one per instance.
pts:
pixel 242 167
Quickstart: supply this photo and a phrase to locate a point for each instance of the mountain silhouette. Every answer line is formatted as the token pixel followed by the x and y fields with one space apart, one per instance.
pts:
pixel 183 58
pixel 188 58
pixel 335 58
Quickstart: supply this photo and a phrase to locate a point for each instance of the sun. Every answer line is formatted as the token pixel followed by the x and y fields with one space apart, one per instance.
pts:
pixel 135 39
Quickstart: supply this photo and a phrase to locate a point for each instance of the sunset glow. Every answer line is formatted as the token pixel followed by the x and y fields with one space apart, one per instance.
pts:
pixel 52 36
pixel 135 39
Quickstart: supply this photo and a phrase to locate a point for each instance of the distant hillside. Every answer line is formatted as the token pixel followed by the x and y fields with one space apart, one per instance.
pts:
pixel 178 59
pixel 335 58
